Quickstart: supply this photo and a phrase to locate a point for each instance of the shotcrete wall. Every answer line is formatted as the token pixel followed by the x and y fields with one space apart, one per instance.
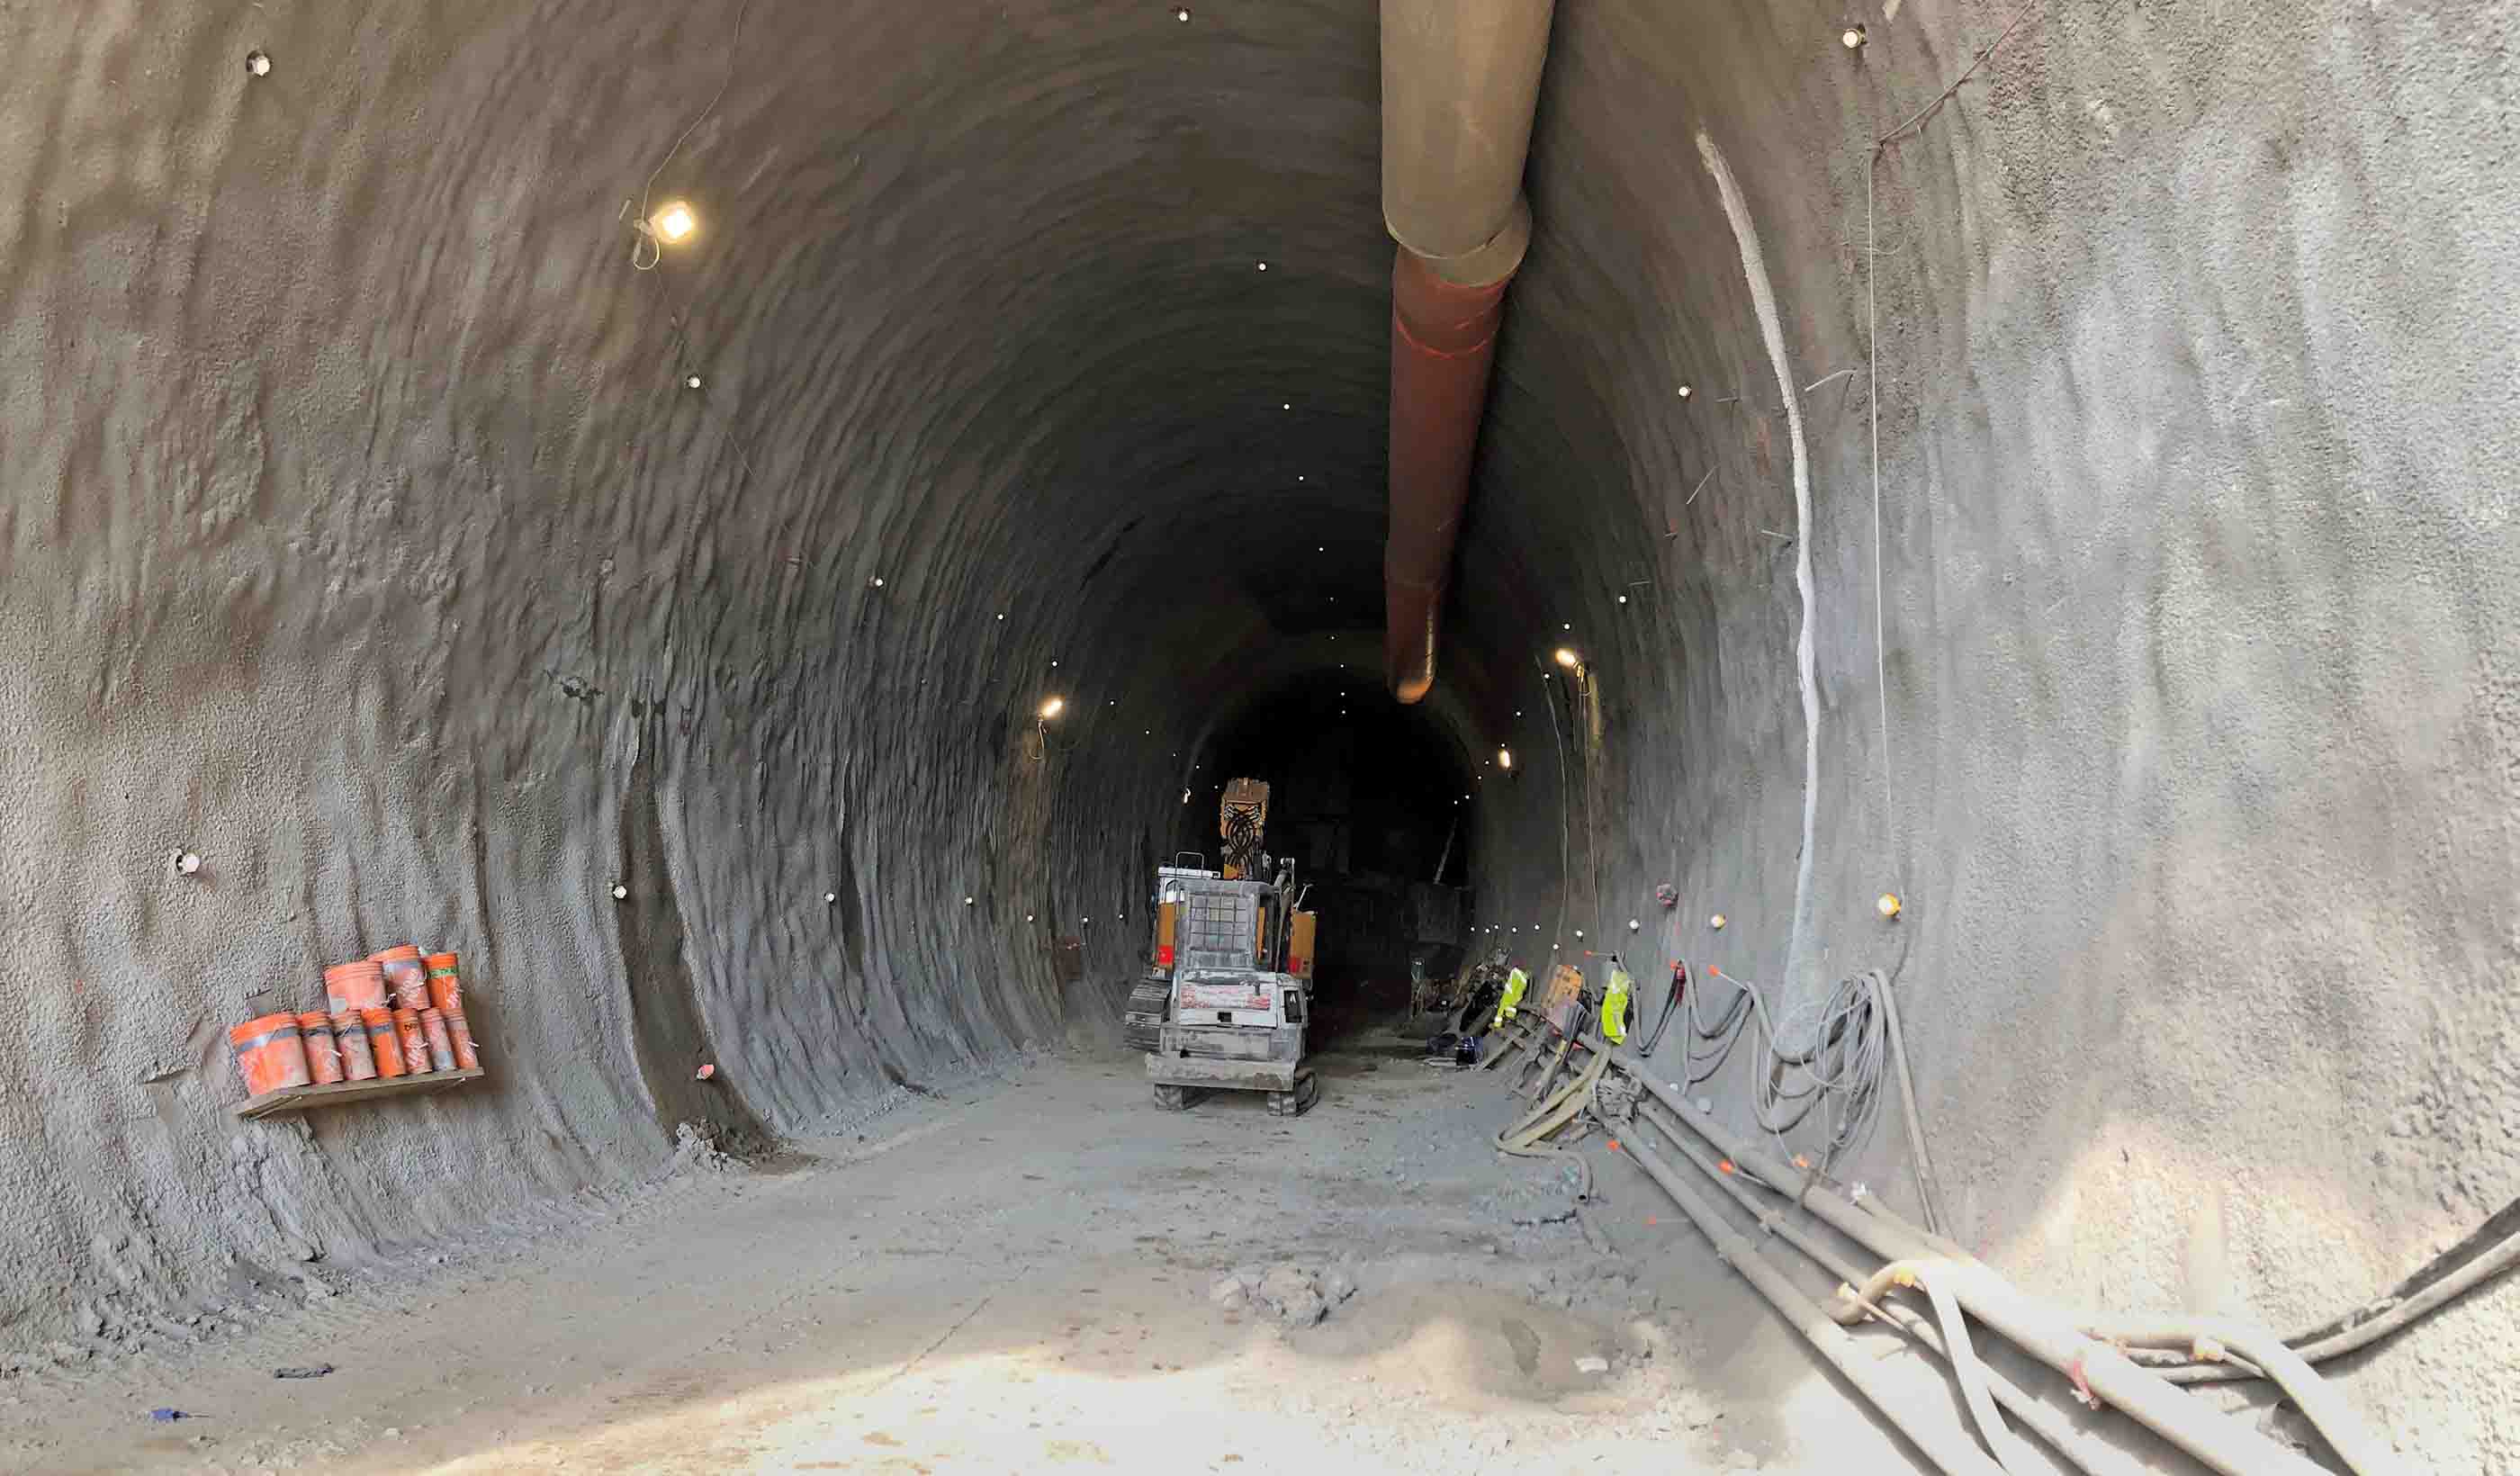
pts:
pixel 2197 585
pixel 364 535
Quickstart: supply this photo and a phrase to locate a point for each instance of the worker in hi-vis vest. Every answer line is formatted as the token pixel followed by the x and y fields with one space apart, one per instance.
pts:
pixel 1614 1004
pixel 1515 984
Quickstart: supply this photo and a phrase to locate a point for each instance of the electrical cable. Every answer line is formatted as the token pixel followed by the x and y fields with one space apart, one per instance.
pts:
pixel 1565 865
pixel 1925 115
pixel 1670 1007
pixel 647 236
pixel 1833 1054
pixel 1926 1188
pixel 2486 1251
pixel 1941 1439
pixel 2220 1344
pixel 1577 692
pixel 2037 1328
pixel 2052 1425
pixel 2442 1280
pixel 1240 838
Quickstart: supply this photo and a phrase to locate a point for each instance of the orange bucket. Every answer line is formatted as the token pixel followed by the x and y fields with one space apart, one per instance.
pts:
pixel 269 1053
pixel 358 1062
pixel 445 985
pixel 384 1044
pixel 441 1047
pixel 405 975
pixel 460 1035
pixel 354 986
pixel 323 1054
pixel 415 1042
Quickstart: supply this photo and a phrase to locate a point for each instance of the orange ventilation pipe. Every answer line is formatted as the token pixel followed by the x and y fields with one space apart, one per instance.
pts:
pixel 1460 80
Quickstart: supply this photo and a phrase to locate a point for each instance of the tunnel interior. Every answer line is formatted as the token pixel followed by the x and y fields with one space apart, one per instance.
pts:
pixel 1373 805
pixel 2052 470
pixel 1360 786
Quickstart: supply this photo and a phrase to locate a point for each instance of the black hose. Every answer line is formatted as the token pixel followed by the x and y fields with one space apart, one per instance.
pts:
pixel 1669 1004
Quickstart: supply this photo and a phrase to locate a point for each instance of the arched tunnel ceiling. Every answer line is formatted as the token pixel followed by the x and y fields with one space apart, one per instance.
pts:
pixel 1110 282
pixel 2152 575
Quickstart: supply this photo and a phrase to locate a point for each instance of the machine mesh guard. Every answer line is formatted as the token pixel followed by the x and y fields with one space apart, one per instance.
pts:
pixel 1220 924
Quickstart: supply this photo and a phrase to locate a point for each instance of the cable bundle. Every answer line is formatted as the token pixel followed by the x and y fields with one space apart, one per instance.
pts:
pixel 1829 1054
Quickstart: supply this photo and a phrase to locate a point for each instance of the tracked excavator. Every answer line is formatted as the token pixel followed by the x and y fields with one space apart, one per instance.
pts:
pixel 1227 994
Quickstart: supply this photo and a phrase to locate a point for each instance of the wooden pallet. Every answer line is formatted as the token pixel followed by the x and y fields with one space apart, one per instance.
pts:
pixel 300 1099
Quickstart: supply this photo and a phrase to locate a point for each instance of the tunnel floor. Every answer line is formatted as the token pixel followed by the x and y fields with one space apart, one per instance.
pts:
pixel 1019 1274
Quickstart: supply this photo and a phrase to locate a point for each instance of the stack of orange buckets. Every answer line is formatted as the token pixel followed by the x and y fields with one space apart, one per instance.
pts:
pixel 394 1015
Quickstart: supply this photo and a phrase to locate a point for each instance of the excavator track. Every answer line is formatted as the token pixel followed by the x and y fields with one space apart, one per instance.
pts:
pixel 1296 1103
pixel 1142 1019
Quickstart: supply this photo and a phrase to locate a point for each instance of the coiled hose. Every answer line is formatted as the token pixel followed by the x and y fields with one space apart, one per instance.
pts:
pixel 1523 1140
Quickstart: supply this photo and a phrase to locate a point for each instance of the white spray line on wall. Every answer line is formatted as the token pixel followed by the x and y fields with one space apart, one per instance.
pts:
pixel 1763 297
pixel 1873 410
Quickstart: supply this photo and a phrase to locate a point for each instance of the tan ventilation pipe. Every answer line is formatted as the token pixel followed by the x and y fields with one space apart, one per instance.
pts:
pixel 1460 80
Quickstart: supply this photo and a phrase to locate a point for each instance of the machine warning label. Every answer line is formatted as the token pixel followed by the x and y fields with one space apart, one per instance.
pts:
pixel 1233 995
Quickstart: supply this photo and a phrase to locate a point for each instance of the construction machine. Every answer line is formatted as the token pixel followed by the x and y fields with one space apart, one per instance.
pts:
pixel 1226 996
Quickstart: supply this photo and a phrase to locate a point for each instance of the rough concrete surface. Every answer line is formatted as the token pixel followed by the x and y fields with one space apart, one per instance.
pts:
pixel 360 531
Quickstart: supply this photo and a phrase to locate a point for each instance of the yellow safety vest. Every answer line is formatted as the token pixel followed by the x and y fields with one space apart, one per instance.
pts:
pixel 1515 984
pixel 1615 1006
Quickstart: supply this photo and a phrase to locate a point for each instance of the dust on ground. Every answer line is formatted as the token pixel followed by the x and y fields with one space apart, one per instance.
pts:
pixel 1037 1272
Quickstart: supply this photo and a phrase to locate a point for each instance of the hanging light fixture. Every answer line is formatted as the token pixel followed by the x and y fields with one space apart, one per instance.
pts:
pixel 674 222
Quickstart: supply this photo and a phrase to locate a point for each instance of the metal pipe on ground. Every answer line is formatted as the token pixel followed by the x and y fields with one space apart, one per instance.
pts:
pixel 1528 1138
pixel 1953 1342
pixel 1978 1381
pixel 1513 1041
pixel 2338 1421
pixel 1547 1071
pixel 2047 1334
pixel 1937 1435
pixel 2054 1426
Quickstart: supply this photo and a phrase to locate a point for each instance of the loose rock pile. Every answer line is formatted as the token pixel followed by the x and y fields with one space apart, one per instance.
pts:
pixel 1294 1296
